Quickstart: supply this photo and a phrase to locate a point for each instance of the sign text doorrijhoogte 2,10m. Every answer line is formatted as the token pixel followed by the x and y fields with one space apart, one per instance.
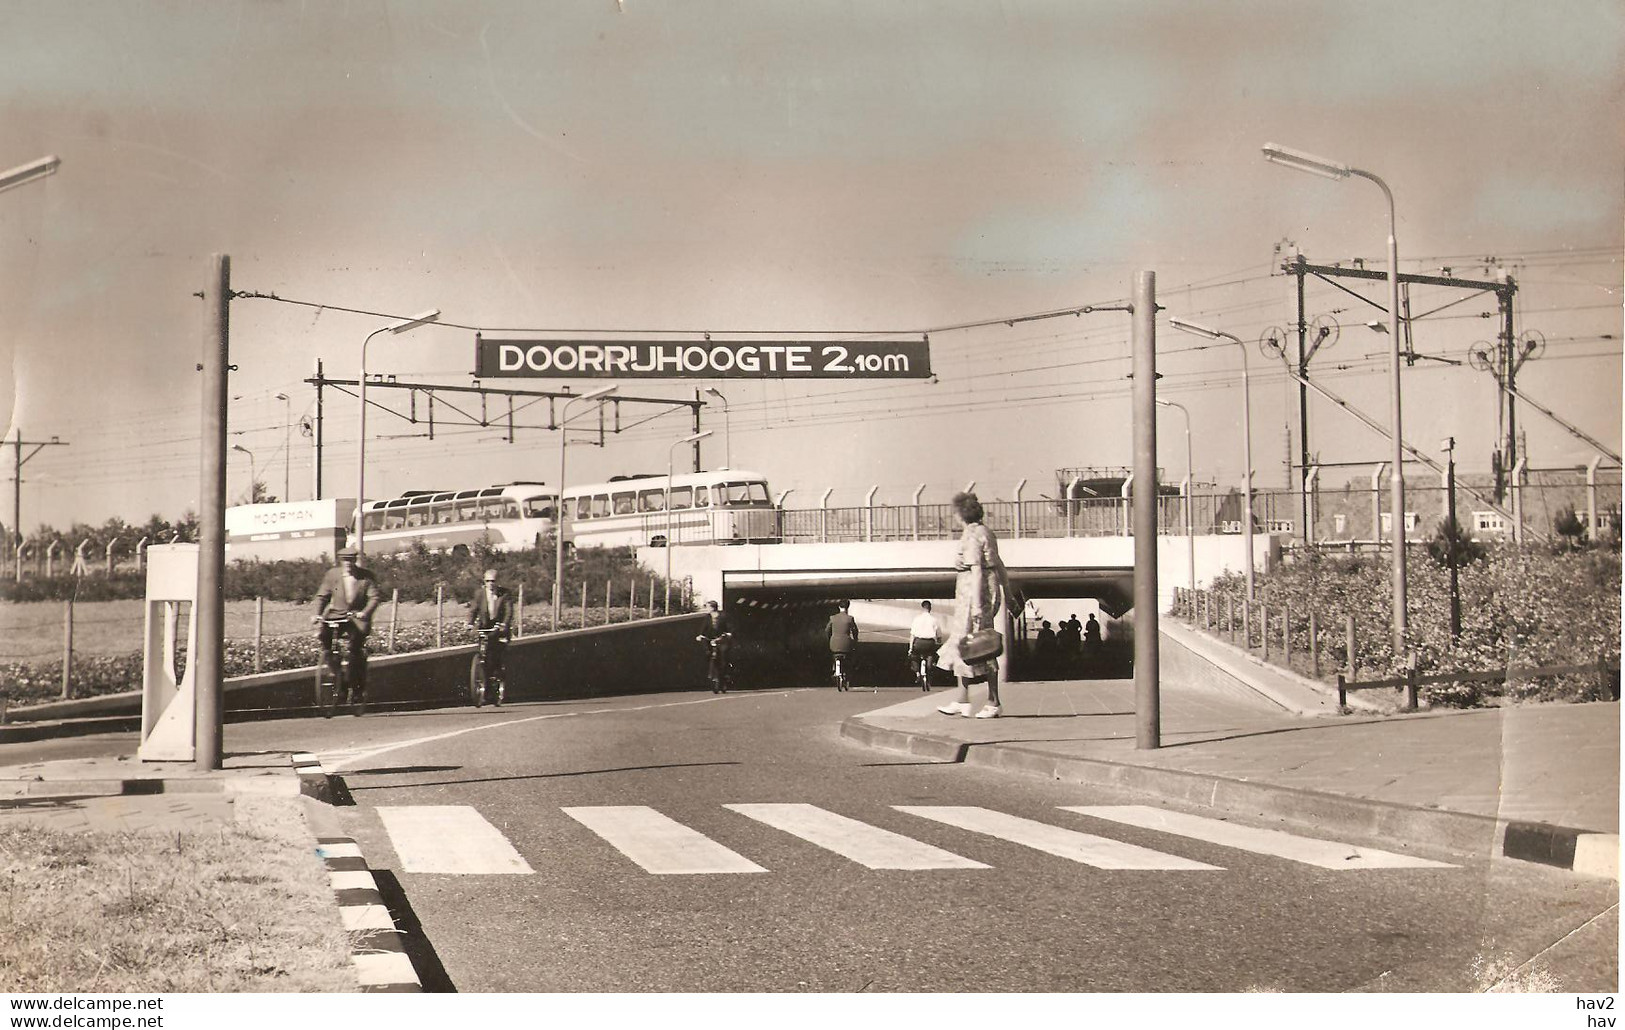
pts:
pixel 495 358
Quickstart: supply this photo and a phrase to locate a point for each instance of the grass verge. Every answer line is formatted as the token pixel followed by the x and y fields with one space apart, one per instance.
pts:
pixel 224 908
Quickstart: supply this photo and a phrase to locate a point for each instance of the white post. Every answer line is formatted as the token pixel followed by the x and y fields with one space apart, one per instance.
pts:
pixel 259 629
pixel 869 514
pixel 1071 488
pixel 141 555
pixel 1311 509
pixel 1020 486
pixel 916 502
pixel 1376 503
pixel 1517 499
pixel 823 515
pixel 1591 498
pixel 1127 485
pixel 50 559
pixel 109 556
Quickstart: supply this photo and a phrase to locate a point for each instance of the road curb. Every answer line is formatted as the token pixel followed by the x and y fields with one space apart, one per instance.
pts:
pixel 377 947
pixel 257 785
pixel 1583 851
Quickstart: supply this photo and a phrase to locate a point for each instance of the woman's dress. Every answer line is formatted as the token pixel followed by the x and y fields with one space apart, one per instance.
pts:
pixel 976 593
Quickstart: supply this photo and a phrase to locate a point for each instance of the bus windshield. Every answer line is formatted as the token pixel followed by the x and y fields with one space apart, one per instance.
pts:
pixel 743 495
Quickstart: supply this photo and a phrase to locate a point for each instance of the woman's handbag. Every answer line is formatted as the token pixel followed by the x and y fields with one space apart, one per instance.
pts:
pixel 981 646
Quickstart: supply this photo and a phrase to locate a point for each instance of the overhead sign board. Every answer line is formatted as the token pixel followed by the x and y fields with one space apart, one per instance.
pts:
pixel 497 358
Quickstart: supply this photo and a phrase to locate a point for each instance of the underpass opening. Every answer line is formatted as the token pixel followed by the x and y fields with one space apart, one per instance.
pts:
pixel 779 621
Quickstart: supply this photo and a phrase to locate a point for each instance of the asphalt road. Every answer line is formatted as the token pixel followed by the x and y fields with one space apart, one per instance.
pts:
pixel 587 917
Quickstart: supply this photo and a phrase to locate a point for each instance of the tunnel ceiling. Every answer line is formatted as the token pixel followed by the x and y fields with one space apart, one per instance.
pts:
pixel 1113 588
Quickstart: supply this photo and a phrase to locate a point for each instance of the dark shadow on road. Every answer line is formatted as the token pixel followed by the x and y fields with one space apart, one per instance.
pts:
pixel 885 765
pixel 431 972
pixel 388 770
pixel 545 776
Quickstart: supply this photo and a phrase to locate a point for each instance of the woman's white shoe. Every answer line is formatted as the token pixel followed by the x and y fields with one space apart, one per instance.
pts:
pixel 955 708
pixel 990 712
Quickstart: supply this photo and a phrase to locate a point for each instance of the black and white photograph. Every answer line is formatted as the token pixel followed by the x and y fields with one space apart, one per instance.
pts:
pixel 757 510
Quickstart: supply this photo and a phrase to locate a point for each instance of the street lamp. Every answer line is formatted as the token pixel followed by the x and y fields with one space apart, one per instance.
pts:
pixel 27 173
pixel 1190 482
pixel 252 477
pixel 1246 431
pixel 1329 169
pixel 558 508
pixel 727 430
pixel 361 444
pixel 287 445
pixel 671 457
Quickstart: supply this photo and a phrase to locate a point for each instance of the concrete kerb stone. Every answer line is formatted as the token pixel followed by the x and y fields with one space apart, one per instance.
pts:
pixel 377 945
pixel 1584 852
pixel 67 780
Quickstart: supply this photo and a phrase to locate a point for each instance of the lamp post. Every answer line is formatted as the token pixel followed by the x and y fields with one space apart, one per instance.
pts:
pixel 27 173
pixel 287 446
pixel 1297 159
pixel 252 477
pixel 1190 472
pixel 558 510
pixel 1246 431
pixel 671 457
pixel 361 441
pixel 727 430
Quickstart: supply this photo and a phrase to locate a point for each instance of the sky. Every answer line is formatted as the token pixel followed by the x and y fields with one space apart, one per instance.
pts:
pixel 842 168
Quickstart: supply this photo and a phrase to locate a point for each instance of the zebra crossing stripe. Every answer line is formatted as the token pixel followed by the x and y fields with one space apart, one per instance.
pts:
pixel 449 839
pixel 659 844
pixel 866 845
pixel 1100 852
pixel 1326 854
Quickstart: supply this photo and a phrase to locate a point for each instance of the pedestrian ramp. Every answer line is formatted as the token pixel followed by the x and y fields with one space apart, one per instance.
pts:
pixel 456 839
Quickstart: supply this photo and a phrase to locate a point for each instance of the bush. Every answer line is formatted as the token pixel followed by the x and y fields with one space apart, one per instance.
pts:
pixel 1520 607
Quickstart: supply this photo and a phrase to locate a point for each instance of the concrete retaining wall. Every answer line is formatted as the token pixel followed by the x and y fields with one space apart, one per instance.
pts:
pixel 631 658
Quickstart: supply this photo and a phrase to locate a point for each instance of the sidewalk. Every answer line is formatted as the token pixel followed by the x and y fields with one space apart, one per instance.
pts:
pixel 1536 783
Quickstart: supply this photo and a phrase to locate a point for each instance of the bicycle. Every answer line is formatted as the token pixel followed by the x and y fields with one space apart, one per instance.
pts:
pixel 842 680
pixel 333 673
pixel 480 676
pixel 720 675
pixel 921 663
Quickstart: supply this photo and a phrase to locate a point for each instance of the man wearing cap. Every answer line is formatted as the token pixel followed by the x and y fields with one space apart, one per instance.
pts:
pixel 349 590
pixel 493 606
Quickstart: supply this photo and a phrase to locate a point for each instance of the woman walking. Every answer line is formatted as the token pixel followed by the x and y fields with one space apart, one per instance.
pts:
pixel 979 592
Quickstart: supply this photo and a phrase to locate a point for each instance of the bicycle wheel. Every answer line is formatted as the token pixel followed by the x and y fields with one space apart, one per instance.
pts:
pixel 329 680
pixel 476 682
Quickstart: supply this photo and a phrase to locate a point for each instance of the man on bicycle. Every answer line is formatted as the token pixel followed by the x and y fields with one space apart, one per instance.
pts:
pixel 349 591
pixel 493 608
pixel 717 635
pixel 842 632
pixel 924 636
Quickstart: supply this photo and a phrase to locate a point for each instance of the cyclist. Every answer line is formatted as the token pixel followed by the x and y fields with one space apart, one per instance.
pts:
pixel 842 631
pixel 716 631
pixel 924 636
pixel 493 607
pixel 348 590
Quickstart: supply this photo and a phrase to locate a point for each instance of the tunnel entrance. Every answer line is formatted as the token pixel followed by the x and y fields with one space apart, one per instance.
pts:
pixel 780 618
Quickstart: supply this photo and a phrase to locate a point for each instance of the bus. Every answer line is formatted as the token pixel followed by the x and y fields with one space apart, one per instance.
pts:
pixel 288 531
pixel 725 506
pixel 510 517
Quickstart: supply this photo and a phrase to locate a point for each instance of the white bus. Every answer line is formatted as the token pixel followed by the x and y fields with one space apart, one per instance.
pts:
pixel 725 506
pixel 287 531
pixel 509 517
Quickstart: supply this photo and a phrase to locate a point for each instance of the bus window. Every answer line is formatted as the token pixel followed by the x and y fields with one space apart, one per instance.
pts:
pixel 758 495
pixel 583 507
pixel 746 495
pixel 394 519
pixel 652 500
pixel 510 509
pixel 491 508
pixel 373 520
pixel 626 504
pixel 444 514
pixel 680 497
pixel 600 505
pixel 702 497
pixel 417 517
pixel 467 511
